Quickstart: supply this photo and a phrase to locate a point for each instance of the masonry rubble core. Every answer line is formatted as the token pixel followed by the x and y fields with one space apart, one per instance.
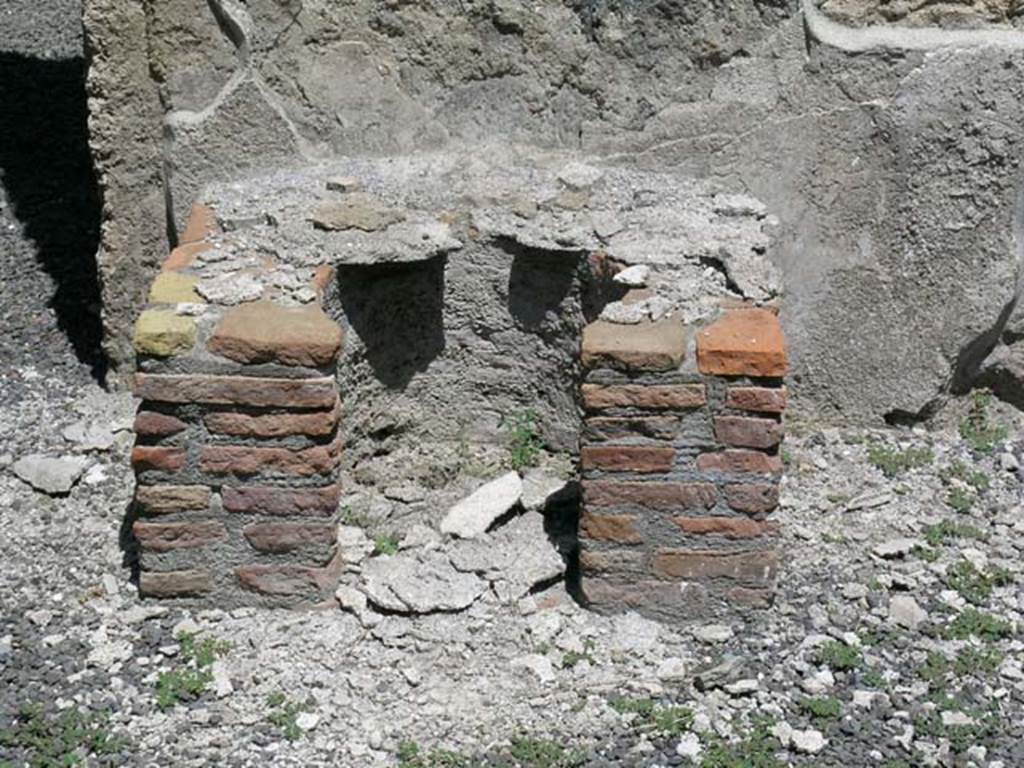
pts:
pixel 239 445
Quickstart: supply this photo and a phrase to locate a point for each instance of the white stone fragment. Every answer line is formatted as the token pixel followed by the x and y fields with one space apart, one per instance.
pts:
pixel 475 514
pixel 51 475
pixel 635 276
pixel 809 742
pixel 905 612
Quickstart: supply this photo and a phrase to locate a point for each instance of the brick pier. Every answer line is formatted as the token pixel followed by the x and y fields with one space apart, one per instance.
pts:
pixel 680 463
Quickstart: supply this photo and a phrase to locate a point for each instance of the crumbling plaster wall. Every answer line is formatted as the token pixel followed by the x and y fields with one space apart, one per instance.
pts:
pixel 890 156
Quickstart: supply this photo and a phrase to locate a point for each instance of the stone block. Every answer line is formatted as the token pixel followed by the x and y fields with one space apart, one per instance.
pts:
pixel 757 399
pixel 175 583
pixel 174 288
pixel 748 432
pixel 166 537
pixel 170 499
pixel 744 342
pixel 654 397
pixel 161 333
pixel 265 332
pixel 752 498
pixel 658 346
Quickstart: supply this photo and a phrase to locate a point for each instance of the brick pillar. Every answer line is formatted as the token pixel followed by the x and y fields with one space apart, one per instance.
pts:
pixel 680 464
pixel 237 448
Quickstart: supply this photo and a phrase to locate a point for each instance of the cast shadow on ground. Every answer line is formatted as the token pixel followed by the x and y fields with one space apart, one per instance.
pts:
pixel 47 172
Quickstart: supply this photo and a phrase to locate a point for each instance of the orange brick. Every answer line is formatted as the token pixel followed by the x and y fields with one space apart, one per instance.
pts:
pixel 752 498
pixel 149 457
pixel 202 222
pixel 748 431
pixel 175 583
pixel 314 423
pixel 755 568
pixel 165 537
pixel 739 461
pixel 603 493
pixel 237 390
pixel 170 499
pixel 157 424
pixel 617 528
pixel 285 537
pixel 245 461
pixel 183 256
pixel 744 342
pixel 304 502
pixel 265 332
pixel 759 399
pixel 628 458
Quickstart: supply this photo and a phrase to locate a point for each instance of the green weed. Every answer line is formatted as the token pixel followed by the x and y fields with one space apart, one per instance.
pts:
pixel 977 430
pixel 822 707
pixel 940 533
pixel 188 681
pixel 973 623
pixel 385 545
pixel 284 715
pixel 524 442
pixel 977 479
pixel 669 721
pixel 839 656
pixel 756 750
pixel 894 462
pixel 960 500
pixel 52 740
pixel 973 585
pixel 543 753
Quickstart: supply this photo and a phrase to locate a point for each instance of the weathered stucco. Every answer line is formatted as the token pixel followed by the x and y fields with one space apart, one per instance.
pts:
pixel 890 155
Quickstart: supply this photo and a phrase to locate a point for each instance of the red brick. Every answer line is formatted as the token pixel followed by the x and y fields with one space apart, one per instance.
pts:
pixel 738 461
pixel 615 427
pixel 751 598
pixel 165 537
pixel 148 457
pixel 183 256
pixel 313 424
pixel 748 431
pixel 285 537
pixel 628 458
pixel 175 583
pixel 653 397
pixel 245 460
pixel 752 498
pixel 604 493
pixel 744 342
pixel 201 224
pixel 305 502
pixel 729 527
pixel 657 346
pixel 154 424
pixel 616 561
pixel 265 332
pixel 759 399
pixel 617 528
pixel 237 390
pixel 169 499
pixel 290 580
pixel 755 568
pixel 613 595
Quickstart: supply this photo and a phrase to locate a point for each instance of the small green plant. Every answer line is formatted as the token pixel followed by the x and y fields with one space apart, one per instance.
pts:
pixel 960 500
pixel 190 680
pixel 974 623
pixel 410 756
pixel 894 462
pixel 284 715
pixel 940 533
pixel 973 585
pixel 977 479
pixel 352 517
pixel 977 430
pixel 934 670
pixel 822 707
pixel 839 656
pixel 571 658
pixel 665 720
pixel 544 753
pixel 54 740
pixel 977 661
pixel 385 544
pixel 756 750
pixel 524 441
pixel 873 679
pixel 927 554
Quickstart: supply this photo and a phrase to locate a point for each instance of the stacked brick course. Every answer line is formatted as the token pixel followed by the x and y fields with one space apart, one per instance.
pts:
pixel 680 463
pixel 237 446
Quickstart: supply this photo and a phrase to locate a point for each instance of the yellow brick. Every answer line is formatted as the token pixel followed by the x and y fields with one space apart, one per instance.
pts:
pixel 174 288
pixel 161 333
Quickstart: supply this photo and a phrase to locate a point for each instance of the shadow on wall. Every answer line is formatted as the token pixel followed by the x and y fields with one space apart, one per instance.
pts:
pixel 397 312
pixel 47 172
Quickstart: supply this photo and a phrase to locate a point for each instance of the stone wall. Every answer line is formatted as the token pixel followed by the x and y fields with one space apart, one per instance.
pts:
pixel 889 155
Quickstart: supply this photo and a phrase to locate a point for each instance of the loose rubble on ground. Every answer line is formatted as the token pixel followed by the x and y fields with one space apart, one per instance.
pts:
pixel 895 639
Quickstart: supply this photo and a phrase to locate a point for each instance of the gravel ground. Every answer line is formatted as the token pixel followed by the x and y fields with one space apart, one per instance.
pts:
pixel 899 617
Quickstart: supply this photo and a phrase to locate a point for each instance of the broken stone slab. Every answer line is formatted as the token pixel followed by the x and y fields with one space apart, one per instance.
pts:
pixel 343 184
pixel 635 276
pixel 905 612
pixel 896 548
pixel 89 436
pixel 427 584
pixel 356 210
pixel 51 475
pixel 475 514
pixel 542 487
pixel 418 238
pixel 579 176
pixel 230 289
